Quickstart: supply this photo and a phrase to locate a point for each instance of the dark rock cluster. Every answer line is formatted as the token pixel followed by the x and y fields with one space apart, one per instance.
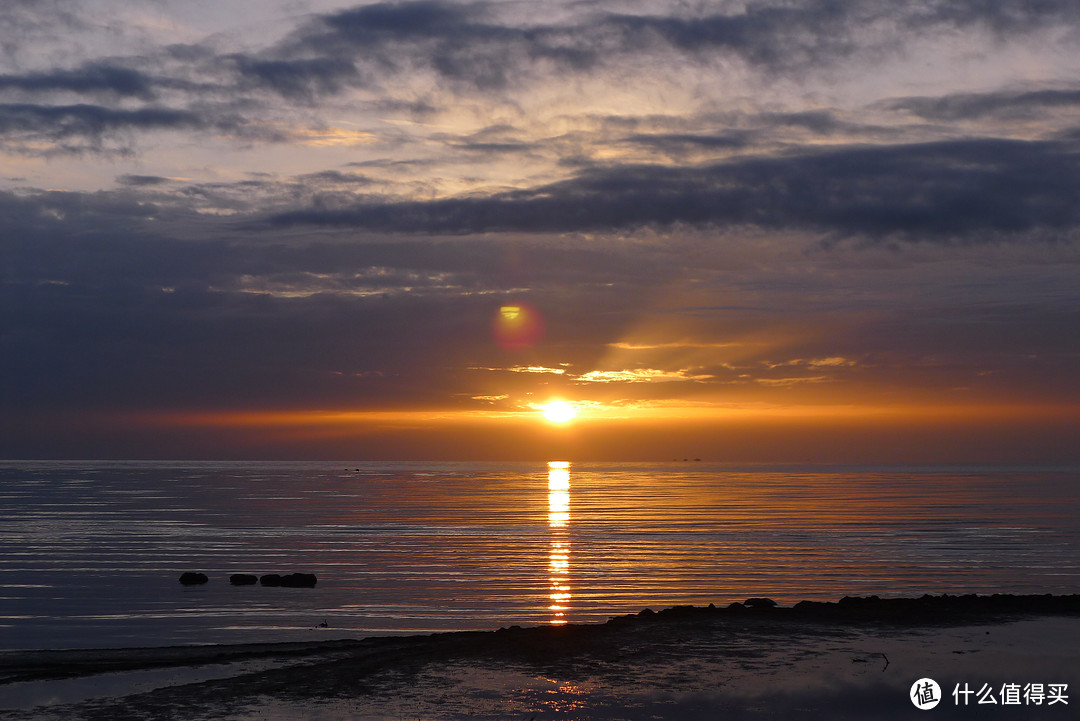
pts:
pixel 943 607
pixel 925 609
pixel 292 580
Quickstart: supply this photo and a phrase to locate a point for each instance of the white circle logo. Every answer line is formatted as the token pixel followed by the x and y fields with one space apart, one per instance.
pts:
pixel 925 694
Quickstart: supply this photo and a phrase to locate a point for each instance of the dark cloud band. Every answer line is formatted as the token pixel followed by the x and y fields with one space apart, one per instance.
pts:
pixel 934 190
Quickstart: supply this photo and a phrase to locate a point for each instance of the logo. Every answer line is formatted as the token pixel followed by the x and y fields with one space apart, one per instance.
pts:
pixel 925 694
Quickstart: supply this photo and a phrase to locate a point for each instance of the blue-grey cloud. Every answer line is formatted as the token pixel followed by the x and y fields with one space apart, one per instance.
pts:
pixel 458 41
pixel 477 45
pixel 23 126
pixel 298 79
pixel 490 48
pixel 337 177
pixel 927 191
pixel 90 78
pixel 141 180
pixel 968 106
pixel 1004 18
pixel 683 143
pixel 83 119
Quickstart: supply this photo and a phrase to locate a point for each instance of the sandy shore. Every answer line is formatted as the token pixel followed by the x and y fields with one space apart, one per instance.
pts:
pixel 856 659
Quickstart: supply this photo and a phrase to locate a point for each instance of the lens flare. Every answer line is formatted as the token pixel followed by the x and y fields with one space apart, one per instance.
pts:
pixel 517 326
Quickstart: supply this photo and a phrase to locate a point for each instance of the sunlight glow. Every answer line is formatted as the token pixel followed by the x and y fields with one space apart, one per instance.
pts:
pixel 558 476
pixel 559 411
pixel 559 593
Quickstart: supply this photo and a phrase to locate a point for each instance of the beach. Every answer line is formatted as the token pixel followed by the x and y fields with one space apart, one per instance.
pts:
pixel 857 658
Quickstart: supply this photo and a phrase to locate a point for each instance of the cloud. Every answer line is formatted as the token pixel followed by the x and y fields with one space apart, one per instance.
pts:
pixel 969 106
pixel 831 362
pixel 624 345
pixel 728 134
pixel 489 46
pixel 142 180
pixel 414 57
pixel 459 42
pixel 33 128
pixel 491 399
pixel 940 190
pixel 336 177
pixel 322 136
pixel 537 369
pixel 298 79
pixel 29 24
pixel 787 382
pixel 1004 18
pixel 90 78
pixel 640 375
pixel 680 144
pixel 65 120
pixel 763 34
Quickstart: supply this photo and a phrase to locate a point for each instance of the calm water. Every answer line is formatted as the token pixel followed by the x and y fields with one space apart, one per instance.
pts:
pixel 90 552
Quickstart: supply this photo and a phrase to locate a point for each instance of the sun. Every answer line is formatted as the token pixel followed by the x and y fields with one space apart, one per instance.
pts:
pixel 558 411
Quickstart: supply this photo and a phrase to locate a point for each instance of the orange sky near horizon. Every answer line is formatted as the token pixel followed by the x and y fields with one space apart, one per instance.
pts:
pixel 842 434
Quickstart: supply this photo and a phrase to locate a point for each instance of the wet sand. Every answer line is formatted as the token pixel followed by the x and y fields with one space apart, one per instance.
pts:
pixel 853 659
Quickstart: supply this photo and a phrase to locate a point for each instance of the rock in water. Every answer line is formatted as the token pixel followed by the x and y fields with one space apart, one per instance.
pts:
pixel 243 579
pixel 762 603
pixel 190 578
pixel 270 579
pixel 299 580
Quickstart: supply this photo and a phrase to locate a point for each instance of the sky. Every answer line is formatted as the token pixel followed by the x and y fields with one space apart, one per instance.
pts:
pixel 766 231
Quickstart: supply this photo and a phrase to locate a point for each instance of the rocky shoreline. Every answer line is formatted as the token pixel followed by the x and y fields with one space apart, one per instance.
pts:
pixel 927 610
pixel 924 609
pixel 850 659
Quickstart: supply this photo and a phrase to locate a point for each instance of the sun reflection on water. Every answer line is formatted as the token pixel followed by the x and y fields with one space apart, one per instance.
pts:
pixel 559 555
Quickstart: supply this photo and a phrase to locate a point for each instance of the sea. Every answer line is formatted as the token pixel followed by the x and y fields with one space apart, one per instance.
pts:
pixel 91 552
